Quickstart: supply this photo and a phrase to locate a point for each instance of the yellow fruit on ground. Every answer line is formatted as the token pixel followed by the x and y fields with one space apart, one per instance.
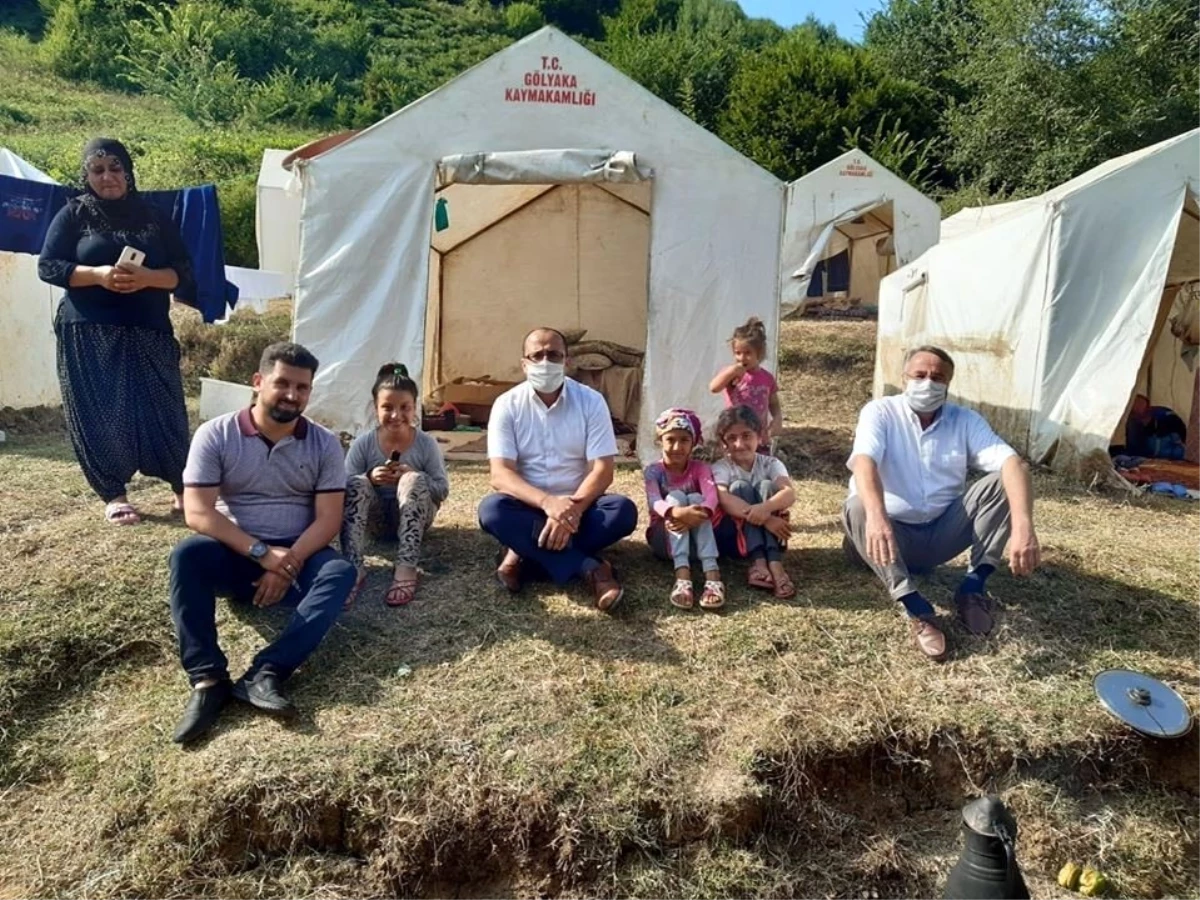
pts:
pixel 1092 883
pixel 1068 876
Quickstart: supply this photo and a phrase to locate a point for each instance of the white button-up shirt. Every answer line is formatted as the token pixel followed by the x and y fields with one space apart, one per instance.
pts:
pixel 554 446
pixel 923 472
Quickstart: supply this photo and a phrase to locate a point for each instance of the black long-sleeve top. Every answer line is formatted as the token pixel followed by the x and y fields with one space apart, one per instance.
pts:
pixel 79 235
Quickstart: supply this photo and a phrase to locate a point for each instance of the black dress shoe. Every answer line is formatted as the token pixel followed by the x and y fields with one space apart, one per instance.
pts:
pixel 202 711
pixel 262 692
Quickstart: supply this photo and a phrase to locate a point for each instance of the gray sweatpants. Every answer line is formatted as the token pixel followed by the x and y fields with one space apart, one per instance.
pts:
pixel 680 547
pixel 979 519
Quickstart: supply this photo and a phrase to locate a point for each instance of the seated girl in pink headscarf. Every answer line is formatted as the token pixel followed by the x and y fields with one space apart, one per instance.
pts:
pixel 682 497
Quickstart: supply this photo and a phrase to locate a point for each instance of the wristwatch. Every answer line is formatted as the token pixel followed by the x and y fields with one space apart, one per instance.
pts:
pixel 258 550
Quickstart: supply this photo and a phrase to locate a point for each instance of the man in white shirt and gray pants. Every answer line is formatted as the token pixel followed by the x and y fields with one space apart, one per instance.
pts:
pixel 910 508
pixel 551 450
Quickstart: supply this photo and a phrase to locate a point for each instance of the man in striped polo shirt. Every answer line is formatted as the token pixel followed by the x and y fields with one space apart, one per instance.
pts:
pixel 263 490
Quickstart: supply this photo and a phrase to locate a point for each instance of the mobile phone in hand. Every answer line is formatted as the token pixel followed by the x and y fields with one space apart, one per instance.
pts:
pixel 131 256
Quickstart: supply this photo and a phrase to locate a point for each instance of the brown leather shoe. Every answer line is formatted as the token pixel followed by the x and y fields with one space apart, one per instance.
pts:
pixel 975 612
pixel 605 586
pixel 508 572
pixel 929 637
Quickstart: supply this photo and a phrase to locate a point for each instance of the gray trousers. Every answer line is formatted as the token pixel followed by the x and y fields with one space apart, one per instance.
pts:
pixel 980 520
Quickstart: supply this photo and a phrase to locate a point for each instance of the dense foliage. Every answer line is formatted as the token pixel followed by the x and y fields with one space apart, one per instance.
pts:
pixel 972 99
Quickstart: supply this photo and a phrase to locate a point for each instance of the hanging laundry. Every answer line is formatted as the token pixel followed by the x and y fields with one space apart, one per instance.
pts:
pixel 27 208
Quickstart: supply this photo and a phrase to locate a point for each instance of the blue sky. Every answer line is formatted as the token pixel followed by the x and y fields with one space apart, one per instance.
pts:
pixel 842 13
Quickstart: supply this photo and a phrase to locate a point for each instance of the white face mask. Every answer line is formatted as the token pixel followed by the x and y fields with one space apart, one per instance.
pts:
pixel 924 395
pixel 546 377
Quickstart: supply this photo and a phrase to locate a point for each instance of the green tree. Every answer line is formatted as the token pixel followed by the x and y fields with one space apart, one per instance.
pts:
pixel 523 18
pixel 1033 92
pixel 690 71
pixel 791 105
pixel 582 17
pixel 87 37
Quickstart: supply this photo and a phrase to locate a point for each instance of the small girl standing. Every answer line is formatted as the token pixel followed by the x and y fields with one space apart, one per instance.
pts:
pixel 747 383
pixel 755 493
pixel 683 502
pixel 400 470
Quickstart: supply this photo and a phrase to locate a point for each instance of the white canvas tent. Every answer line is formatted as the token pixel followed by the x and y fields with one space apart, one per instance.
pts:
pixel 649 218
pixel 853 205
pixel 28 376
pixel 277 217
pixel 1058 308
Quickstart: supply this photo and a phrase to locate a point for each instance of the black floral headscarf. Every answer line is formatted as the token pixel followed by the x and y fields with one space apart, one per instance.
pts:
pixel 131 211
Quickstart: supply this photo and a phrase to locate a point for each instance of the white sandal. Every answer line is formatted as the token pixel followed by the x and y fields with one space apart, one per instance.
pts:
pixel 121 514
pixel 713 596
pixel 681 595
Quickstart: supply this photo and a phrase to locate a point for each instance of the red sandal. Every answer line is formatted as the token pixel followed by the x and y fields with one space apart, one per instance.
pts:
pixel 401 593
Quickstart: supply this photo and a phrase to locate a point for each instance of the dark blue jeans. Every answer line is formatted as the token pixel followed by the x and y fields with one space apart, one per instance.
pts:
pixel 758 542
pixel 517 526
pixel 203 567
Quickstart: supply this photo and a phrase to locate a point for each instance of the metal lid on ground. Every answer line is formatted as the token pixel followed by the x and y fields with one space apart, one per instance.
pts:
pixel 1144 703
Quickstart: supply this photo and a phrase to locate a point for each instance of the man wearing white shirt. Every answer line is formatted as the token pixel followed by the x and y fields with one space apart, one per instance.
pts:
pixel 910 508
pixel 551 449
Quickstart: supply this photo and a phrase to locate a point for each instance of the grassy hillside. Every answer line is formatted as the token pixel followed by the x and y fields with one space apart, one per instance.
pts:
pixel 474 744
pixel 47 120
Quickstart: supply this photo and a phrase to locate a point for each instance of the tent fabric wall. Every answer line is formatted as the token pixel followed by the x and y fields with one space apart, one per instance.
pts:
pixel 837 193
pixel 277 217
pixel 368 208
pixel 1048 304
pixel 28 376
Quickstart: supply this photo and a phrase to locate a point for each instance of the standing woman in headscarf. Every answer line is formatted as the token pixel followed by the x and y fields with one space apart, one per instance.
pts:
pixel 118 360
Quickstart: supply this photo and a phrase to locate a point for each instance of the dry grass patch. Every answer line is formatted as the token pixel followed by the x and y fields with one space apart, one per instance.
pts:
pixel 475 744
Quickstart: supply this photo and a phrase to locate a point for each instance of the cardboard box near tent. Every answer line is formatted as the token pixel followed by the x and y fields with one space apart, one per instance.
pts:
pixel 473 396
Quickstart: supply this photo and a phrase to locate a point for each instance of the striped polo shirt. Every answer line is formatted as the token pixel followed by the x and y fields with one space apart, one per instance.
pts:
pixel 268 490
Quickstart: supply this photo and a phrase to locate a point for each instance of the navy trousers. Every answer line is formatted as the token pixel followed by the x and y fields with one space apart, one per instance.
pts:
pixel 759 543
pixel 203 567
pixel 517 526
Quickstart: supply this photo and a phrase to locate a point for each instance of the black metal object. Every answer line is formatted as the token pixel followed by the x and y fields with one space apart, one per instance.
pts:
pixel 987 868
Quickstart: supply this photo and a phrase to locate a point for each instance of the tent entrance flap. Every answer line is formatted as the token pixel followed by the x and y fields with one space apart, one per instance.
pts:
pixel 513 256
pixel 849 257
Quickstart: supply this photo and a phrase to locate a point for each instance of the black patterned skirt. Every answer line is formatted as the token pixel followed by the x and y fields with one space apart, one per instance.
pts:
pixel 123 400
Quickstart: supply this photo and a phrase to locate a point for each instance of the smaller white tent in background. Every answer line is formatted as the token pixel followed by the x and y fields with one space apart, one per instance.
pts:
pixel 1058 308
pixel 855 206
pixel 277 217
pixel 28 374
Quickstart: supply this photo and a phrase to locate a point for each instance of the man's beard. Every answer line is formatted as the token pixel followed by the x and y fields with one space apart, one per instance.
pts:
pixel 281 415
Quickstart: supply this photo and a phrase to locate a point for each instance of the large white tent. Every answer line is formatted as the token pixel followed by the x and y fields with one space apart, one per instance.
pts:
pixel 855 206
pixel 600 207
pixel 1058 308
pixel 28 376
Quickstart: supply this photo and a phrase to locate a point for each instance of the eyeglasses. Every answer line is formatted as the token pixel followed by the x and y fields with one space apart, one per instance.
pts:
pixel 554 356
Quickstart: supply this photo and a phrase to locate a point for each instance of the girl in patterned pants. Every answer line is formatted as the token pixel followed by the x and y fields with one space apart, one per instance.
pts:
pixel 398 471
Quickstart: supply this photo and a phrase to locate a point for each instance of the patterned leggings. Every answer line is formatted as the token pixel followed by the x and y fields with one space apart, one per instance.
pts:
pixel 415 509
